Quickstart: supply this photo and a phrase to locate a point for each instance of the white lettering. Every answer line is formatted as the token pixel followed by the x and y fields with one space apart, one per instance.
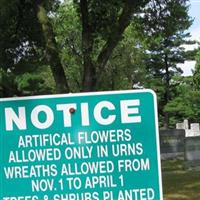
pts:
pixel 85 114
pixel 98 113
pixel 128 111
pixel 35 117
pixel 66 114
pixel 11 117
pixel 104 113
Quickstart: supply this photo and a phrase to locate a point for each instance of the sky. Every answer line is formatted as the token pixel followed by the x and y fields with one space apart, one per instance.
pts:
pixel 194 30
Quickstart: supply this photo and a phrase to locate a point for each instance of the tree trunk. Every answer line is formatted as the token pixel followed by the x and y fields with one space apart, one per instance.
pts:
pixel 89 68
pixel 167 92
pixel 90 77
pixel 166 121
pixel 52 52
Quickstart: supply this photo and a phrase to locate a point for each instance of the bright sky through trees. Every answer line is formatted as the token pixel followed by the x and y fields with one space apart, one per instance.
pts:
pixel 194 30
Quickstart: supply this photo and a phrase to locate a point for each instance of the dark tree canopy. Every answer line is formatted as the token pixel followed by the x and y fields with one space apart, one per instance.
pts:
pixel 51 46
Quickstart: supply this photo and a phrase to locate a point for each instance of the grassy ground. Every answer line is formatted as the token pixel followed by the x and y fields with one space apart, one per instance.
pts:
pixel 178 183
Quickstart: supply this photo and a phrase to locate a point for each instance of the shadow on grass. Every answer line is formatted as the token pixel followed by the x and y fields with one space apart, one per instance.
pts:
pixel 178 183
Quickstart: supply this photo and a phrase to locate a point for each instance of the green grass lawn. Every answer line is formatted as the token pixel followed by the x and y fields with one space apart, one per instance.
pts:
pixel 178 183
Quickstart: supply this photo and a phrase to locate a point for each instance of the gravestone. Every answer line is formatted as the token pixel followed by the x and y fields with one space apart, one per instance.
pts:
pixel 186 124
pixel 192 152
pixel 194 126
pixel 193 131
pixel 179 126
pixel 172 144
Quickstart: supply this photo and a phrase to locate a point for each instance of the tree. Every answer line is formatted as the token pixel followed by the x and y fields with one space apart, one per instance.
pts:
pixel 165 39
pixel 8 86
pixel 197 71
pixel 100 27
pixel 98 24
pixel 52 51
pixel 185 103
pixel 126 67
pixel 27 38
pixel 114 18
pixel 123 69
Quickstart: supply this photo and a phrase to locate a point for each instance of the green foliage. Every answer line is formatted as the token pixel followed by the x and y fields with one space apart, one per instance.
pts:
pixel 126 68
pixel 178 182
pixel 164 27
pixel 67 28
pixel 8 85
pixel 197 71
pixel 103 16
pixel 185 103
pixel 141 51
pixel 19 31
pixel 32 84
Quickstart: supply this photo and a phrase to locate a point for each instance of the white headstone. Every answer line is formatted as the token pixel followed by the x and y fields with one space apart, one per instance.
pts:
pixel 189 133
pixel 186 124
pixel 194 126
pixel 179 126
